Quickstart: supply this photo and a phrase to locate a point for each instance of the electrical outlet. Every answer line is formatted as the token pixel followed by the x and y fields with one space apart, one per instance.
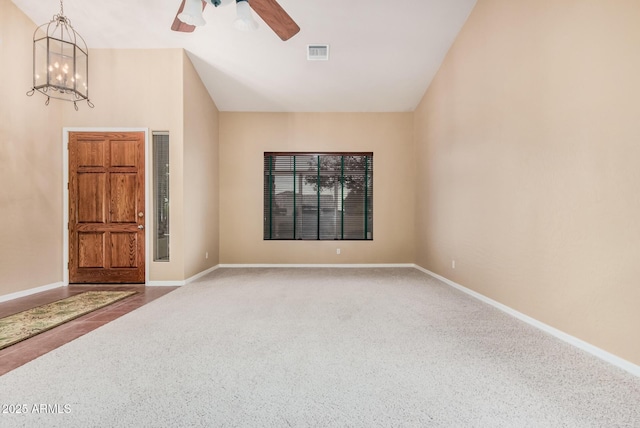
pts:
pixel 453 264
pixel 338 251
pixel 206 255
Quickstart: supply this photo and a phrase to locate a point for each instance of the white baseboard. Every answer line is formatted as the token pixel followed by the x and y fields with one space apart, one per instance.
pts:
pixel 578 343
pixel 182 282
pixel 165 283
pixel 31 291
pixel 201 274
pixel 364 265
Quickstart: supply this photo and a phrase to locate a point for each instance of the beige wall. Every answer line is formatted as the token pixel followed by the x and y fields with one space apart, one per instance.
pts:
pixel 142 88
pixel 30 155
pixel 130 89
pixel 200 175
pixel 244 137
pixel 528 154
pixel 159 89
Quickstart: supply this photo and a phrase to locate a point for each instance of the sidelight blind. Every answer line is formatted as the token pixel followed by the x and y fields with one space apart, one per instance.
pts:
pixel 318 196
pixel 161 196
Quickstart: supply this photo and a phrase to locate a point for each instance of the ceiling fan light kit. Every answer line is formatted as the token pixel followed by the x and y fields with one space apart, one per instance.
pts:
pixel 244 21
pixel 190 15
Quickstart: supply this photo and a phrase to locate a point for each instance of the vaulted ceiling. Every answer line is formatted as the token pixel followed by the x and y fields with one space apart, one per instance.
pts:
pixel 383 54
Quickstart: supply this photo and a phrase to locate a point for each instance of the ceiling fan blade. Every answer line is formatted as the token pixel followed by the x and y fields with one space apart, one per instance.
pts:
pixel 181 26
pixel 275 17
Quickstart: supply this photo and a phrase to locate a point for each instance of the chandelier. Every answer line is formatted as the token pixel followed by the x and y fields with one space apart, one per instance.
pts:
pixel 60 62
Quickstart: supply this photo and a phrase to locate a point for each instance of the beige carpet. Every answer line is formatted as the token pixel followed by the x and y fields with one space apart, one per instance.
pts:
pixel 23 325
pixel 320 348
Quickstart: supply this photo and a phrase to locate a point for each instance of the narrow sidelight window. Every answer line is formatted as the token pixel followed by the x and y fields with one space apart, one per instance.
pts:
pixel 318 196
pixel 161 196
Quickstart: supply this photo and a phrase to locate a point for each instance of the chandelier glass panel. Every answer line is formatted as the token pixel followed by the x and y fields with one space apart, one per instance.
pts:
pixel 60 62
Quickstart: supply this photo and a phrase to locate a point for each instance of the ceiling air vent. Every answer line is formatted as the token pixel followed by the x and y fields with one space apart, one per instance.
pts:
pixel 318 52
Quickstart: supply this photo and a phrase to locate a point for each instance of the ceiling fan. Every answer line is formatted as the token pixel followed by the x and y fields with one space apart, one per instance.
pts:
pixel 189 16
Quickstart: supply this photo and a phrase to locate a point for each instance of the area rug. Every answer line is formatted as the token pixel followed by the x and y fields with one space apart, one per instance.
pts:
pixel 25 324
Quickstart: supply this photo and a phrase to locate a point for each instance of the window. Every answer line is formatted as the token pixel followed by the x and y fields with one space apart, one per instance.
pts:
pixel 161 196
pixel 318 196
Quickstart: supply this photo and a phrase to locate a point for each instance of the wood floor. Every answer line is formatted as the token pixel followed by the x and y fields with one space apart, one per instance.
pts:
pixel 22 352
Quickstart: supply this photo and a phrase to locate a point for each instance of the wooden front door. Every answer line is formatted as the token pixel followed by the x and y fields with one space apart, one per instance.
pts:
pixel 106 207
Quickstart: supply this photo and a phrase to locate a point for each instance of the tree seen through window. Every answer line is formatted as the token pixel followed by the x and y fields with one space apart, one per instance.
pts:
pixel 318 196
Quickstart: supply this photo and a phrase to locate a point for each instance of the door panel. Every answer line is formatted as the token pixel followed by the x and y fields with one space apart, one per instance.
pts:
pixel 92 210
pixel 91 250
pixel 90 154
pixel 123 153
pixel 124 248
pixel 123 198
pixel 106 207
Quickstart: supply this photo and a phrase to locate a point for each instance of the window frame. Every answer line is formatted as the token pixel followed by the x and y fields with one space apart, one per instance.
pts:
pixel 161 190
pixel 367 205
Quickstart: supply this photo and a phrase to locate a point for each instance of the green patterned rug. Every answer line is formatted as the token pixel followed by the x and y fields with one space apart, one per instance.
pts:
pixel 25 324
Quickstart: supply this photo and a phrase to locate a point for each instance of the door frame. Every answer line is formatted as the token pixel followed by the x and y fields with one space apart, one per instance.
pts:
pixel 65 196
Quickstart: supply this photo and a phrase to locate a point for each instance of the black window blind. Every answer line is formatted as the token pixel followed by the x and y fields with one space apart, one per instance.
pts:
pixel 318 196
